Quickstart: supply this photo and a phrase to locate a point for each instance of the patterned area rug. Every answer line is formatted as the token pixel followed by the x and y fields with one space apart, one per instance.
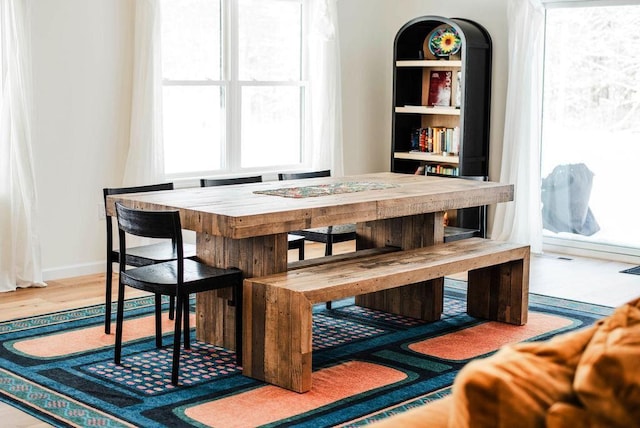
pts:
pixel 325 189
pixel 367 365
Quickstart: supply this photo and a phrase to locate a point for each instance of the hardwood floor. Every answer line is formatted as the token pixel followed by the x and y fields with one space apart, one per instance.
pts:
pixel 582 279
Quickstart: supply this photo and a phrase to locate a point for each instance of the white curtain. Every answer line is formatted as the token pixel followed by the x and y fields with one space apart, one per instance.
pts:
pixel 20 264
pixel 145 161
pixel 521 221
pixel 323 66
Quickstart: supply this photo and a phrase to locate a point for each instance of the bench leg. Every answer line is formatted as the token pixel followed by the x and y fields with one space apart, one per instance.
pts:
pixel 422 300
pixel 500 293
pixel 277 336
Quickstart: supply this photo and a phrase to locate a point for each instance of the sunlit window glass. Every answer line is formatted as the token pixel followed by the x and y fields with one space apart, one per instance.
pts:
pixel 591 124
pixel 191 39
pixel 270 125
pixel 269 30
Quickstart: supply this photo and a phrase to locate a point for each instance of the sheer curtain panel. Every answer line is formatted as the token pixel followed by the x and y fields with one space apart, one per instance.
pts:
pixel 521 220
pixel 20 264
pixel 145 162
pixel 324 86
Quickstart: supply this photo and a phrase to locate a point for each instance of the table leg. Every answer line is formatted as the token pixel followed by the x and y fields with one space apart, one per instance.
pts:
pixel 257 256
pixel 422 300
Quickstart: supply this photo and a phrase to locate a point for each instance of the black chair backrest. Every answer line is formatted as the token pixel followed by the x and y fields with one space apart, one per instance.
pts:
pixel 136 189
pixel 211 182
pixel 149 224
pixel 121 190
pixel 298 175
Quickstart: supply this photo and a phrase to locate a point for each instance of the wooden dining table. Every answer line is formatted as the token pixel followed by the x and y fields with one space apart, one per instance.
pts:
pixel 246 226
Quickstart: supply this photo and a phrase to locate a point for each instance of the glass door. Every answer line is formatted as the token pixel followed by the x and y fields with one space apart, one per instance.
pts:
pixel 590 163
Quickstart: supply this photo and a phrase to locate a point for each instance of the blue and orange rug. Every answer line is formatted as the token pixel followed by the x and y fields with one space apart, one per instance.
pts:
pixel 367 366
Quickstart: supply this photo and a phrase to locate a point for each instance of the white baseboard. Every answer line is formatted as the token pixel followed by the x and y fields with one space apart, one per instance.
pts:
pixel 73 271
pixel 596 251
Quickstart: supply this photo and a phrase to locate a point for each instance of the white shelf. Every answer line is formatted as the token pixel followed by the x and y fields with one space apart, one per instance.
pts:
pixel 429 63
pixel 452 111
pixel 428 157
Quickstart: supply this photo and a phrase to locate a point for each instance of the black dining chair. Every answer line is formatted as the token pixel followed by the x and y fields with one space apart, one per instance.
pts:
pixel 295 242
pixel 327 235
pixel 136 256
pixel 177 278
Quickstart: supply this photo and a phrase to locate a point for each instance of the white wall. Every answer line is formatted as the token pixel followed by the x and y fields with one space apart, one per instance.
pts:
pixel 82 93
pixel 82 83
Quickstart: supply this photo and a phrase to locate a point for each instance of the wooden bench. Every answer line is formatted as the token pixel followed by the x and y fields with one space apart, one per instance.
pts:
pixel 353 255
pixel 278 308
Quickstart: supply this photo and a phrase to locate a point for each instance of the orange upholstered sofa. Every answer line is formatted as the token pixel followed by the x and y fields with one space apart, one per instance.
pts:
pixel 587 378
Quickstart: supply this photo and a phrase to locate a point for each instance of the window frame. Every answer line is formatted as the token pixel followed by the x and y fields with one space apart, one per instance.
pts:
pixel 231 97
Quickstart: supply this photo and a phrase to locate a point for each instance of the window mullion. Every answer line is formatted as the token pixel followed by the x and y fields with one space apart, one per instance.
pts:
pixel 167 82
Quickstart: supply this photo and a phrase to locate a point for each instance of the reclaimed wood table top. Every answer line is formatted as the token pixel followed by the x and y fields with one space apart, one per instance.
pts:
pixel 240 212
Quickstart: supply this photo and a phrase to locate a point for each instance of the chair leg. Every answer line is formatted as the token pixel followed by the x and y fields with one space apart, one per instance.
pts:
pixel 107 298
pixel 328 249
pixel 158 319
pixel 175 366
pixel 301 251
pixel 187 327
pixel 119 322
pixel 172 307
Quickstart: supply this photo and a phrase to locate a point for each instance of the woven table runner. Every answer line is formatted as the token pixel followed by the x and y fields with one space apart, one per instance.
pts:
pixel 325 189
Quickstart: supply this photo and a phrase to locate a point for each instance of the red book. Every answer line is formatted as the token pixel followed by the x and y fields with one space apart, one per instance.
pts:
pixel 440 88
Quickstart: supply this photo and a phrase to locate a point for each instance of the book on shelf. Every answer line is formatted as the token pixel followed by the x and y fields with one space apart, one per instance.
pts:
pixel 440 83
pixel 456 140
pixel 438 169
pixel 436 139
pixel 458 98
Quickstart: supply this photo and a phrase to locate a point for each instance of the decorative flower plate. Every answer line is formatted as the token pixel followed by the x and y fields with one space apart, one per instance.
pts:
pixel 444 41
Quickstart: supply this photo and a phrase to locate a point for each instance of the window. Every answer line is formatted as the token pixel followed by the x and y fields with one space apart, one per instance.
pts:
pixel 591 116
pixel 233 86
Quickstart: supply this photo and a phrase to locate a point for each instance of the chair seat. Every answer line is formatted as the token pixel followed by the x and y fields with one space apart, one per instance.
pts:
pixel 154 253
pixel 452 234
pixel 162 277
pixel 294 240
pixel 339 233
